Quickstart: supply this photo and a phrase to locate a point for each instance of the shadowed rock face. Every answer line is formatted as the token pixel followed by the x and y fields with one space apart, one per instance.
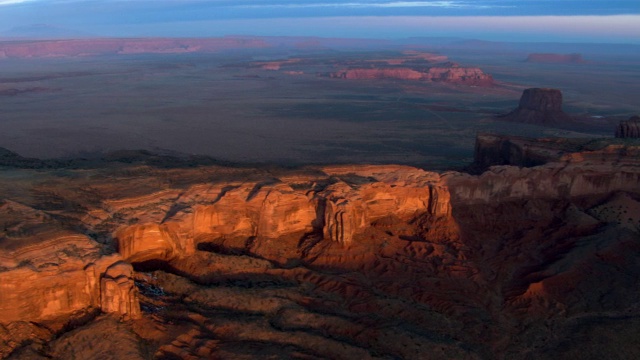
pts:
pixel 544 100
pixel 539 106
pixel 344 262
pixel 629 128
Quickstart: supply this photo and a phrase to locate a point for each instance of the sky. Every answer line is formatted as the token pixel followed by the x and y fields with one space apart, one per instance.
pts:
pixel 608 21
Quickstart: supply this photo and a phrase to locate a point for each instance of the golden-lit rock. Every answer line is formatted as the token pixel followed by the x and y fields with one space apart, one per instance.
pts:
pixel 118 293
pixel 358 261
pixel 149 241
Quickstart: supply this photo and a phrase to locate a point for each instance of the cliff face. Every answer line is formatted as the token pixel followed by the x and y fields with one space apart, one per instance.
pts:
pixel 61 274
pixel 493 149
pixel 338 207
pixel 297 261
pixel 629 128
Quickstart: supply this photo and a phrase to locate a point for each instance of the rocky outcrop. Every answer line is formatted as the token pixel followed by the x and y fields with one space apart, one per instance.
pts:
pixel 118 293
pixel 48 273
pixel 588 173
pixel 339 207
pixel 296 261
pixel 60 278
pixel 452 75
pixel 349 211
pixel 384 73
pixel 629 128
pixel 555 58
pixel 460 75
pixel 494 149
pixel 539 106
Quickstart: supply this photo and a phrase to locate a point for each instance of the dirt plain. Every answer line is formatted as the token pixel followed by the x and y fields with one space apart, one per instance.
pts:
pixel 227 106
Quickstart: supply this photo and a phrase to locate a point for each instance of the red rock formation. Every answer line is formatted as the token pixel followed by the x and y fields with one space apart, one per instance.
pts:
pixel 629 128
pixel 555 58
pixel 328 261
pixel 118 294
pixel 539 106
pixel 48 273
pixel 386 73
pixel 452 75
pixel 460 75
pixel 493 149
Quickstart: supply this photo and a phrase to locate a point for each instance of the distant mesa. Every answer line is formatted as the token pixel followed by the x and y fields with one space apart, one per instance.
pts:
pixel 629 128
pixel 556 58
pixel 447 74
pixel 539 106
pixel 408 65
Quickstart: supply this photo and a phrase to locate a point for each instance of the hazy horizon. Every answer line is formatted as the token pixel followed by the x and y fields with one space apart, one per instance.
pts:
pixel 498 20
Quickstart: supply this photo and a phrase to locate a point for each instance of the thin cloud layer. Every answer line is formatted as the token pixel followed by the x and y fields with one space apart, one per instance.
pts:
pixel 364 5
pixel 264 17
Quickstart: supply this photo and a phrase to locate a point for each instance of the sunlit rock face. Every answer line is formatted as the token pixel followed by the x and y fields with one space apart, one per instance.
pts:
pixel 339 262
pixel 338 207
pixel 539 106
pixel 118 294
pixel 59 274
pixel 629 128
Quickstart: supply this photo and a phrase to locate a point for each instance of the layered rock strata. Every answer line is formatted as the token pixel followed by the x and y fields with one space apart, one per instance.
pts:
pixel 629 128
pixel 324 262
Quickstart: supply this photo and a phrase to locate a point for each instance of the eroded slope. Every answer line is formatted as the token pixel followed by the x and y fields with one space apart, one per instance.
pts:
pixel 324 263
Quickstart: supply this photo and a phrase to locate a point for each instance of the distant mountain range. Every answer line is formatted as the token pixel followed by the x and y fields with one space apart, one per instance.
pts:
pixel 43 31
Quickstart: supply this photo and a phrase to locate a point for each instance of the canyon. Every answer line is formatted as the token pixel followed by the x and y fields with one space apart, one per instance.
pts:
pixel 532 255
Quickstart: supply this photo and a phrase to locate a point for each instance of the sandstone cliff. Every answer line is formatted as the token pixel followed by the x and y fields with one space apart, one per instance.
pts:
pixel 236 262
pixel 629 128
